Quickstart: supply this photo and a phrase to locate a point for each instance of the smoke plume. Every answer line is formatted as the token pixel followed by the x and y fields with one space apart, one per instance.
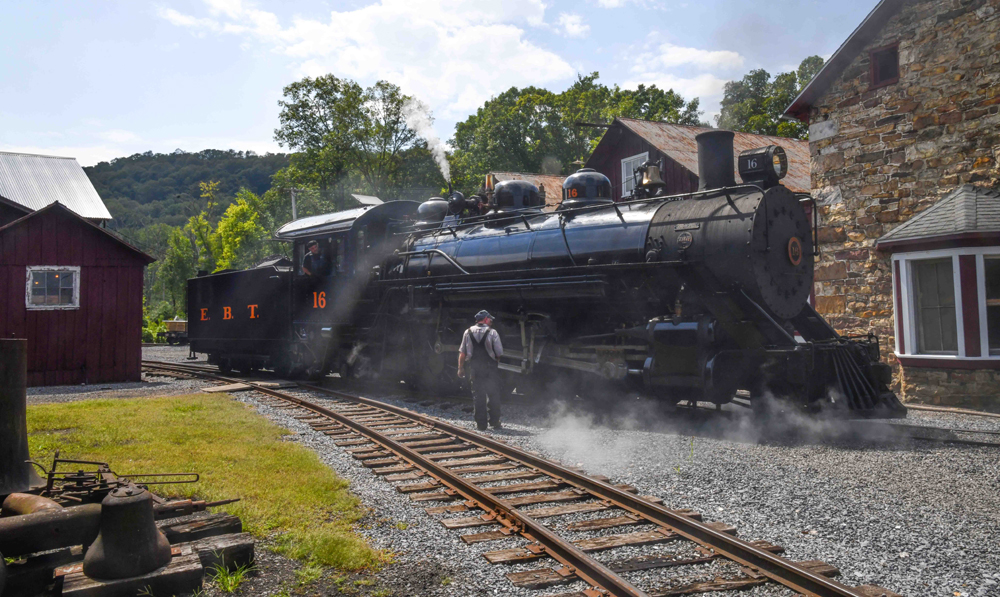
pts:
pixel 418 117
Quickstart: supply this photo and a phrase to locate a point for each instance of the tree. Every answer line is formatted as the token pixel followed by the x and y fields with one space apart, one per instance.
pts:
pixel 206 245
pixel 755 103
pixel 176 267
pixel 535 130
pixel 239 236
pixel 383 136
pixel 322 119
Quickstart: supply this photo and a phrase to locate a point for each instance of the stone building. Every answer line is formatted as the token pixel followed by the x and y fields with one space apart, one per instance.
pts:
pixel 902 115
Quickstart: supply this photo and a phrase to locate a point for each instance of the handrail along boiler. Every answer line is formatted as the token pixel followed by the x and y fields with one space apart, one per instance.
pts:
pixel 684 297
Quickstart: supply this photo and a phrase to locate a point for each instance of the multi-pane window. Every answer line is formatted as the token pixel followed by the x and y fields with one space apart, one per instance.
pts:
pixel 992 275
pixel 53 288
pixel 934 306
pixel 628 171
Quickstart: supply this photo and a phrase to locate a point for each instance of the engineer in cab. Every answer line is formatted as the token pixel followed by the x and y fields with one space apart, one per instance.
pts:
pixel 316 262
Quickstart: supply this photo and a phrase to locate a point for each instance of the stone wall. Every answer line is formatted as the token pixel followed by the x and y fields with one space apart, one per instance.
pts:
pixel 879 156
pixel 953 387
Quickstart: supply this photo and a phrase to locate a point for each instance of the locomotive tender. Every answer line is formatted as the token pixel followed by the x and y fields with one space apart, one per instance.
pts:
pixel 689 297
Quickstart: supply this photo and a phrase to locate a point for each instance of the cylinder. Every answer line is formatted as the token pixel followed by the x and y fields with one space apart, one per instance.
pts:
pixel 15 473
pixel 715 160
pixel 17 504
pixel 49 529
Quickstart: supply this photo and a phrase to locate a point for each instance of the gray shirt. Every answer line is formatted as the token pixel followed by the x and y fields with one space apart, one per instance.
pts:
pixel 474 334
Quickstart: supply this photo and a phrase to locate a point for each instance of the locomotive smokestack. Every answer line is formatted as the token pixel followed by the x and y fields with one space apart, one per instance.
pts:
pixel 715 160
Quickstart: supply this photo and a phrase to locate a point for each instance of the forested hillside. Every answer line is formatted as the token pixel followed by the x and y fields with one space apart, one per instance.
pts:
pixel 154 188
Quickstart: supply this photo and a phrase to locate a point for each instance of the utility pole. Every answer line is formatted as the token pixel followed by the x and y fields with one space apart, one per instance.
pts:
pixel 295 214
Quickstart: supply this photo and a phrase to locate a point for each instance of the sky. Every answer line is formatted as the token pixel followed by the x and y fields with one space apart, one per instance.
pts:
pixel 100 80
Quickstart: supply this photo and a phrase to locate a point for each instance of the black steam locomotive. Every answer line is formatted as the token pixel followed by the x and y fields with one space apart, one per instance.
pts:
pixel 691 297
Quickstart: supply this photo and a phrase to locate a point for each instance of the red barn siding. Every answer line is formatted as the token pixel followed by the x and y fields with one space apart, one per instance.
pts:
pixel 678 178
pixel 101 341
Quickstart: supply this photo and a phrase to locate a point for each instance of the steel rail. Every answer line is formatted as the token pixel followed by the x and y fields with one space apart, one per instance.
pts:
pixel 586 567
pixel 777 568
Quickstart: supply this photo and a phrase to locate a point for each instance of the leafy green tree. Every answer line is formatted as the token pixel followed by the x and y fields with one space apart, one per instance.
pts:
pixel 755 103
pixel 177 265
pixel 323 119
pixel 383 137
pixel 535 130
pixel 239 236
pixel 206 243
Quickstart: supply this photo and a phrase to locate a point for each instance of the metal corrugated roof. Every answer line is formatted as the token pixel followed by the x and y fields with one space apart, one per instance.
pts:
pixel 966 209
pixel 552 184
pixel 677 141
pixel 35 181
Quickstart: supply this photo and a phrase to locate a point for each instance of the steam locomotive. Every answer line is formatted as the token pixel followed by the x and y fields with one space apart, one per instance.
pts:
pixel 691 297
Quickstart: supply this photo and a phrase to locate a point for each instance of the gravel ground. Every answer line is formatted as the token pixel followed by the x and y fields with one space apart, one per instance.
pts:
pixel 918 518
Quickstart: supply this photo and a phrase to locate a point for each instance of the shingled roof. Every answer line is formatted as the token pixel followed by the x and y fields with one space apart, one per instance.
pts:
pixel 968 211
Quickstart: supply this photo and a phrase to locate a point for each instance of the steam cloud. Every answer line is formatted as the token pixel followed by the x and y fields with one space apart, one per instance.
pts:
pixel 418 117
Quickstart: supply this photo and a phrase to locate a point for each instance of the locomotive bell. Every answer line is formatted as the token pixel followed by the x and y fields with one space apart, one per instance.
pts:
pixel 129 544
pixel 651 175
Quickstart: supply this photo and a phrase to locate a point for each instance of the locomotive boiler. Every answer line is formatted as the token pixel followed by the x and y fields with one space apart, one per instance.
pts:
pixel 692 297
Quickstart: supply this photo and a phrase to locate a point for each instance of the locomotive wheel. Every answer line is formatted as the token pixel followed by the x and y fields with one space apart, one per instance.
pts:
pixel 225 366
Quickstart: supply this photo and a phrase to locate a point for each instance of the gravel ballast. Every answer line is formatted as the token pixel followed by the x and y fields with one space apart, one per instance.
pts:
pixel 917 518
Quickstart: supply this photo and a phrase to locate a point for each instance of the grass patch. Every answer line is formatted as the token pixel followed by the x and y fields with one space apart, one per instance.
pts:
pixel 230 580
pixel 286 491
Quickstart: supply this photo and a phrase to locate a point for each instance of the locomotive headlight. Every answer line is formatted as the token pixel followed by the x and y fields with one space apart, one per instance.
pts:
pixel 765 165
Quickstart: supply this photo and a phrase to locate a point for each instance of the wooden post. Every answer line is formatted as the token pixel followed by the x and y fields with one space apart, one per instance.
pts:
pixel 15 474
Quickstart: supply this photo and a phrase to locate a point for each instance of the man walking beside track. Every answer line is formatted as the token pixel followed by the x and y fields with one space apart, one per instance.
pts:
pixel 481 347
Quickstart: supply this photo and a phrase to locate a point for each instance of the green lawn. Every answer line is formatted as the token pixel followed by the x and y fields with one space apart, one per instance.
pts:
pixel 287 493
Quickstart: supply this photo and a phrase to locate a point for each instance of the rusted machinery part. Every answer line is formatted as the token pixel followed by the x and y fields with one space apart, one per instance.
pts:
pixel 129 544
pixel 779 569
pixel 185 507
pixel 49 529
pixel 775 567
pixel 17 504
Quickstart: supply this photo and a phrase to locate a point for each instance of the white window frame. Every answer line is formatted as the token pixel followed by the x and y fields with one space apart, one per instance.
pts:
pixel 627 173
pixel 906 321
pixel 31 269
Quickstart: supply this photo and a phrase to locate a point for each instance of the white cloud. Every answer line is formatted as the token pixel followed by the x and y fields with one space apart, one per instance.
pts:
pixel 182 20
pixel 572 25
pixel 90 154
pixel 668 55
pixel 119 136
pixel 452 54
pixel 701 86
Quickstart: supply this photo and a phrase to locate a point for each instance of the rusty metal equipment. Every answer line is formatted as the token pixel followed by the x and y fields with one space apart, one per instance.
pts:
pixel 15 474
pixel 93 484
pixel 17 504
pixel 129 544
pixel 49 529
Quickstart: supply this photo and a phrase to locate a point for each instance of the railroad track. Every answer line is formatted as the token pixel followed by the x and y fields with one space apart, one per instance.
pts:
pixel 887 431
pixel 434 461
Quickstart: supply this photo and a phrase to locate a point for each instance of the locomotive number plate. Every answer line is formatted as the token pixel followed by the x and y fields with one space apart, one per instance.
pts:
pixel 689 226
pixel 795 250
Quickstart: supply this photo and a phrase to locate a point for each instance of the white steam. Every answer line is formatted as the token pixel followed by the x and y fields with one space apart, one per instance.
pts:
pixel 418 117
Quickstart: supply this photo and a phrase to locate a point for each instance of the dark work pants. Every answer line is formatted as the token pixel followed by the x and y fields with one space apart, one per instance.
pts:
pixel 486 395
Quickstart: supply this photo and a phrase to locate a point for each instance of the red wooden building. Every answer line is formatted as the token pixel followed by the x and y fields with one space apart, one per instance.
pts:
pixel 72 288
pixel 629 142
